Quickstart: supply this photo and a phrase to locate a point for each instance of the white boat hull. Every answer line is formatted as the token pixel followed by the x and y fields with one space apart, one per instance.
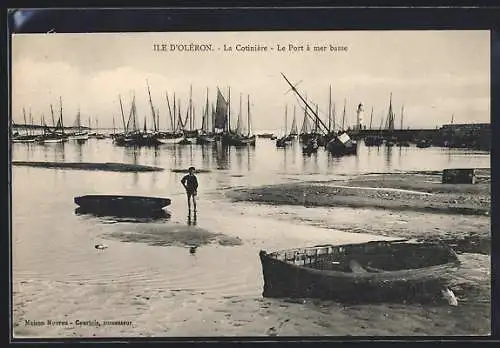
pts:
pixel 79 137
pixel 169 140
pixel 52 141
pixel 23 141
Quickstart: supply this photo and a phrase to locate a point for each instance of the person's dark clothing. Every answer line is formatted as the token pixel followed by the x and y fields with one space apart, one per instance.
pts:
pixel 191 183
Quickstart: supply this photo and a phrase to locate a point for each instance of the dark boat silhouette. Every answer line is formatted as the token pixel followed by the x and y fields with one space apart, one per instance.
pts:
pixel 373 271
pixel 126 216
pixel 117 204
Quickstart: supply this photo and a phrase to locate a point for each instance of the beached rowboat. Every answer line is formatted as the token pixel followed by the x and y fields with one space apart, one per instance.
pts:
pixel 373 271
pixel 110 203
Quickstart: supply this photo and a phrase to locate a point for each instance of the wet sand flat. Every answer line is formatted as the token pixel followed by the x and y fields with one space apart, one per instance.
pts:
pixel 414 192
pixel 111 167
pixel 164 291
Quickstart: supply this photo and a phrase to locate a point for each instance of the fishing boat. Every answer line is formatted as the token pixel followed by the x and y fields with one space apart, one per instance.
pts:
pixel 311 146
pixel 121 204
pixel 402 142
pixel 206 135
pixel 373 271
pixel 337 144
pixel 265 135
pixel 174 135
pixel 373 140
pixel 342 145
pixel 29 137
pixel 57 135
pixel 285 140
pixel 423 144
pixel 80 134
pixel 95 134
pixel 237 138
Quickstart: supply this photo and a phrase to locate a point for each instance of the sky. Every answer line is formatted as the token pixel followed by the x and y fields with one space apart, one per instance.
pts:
pixel 434 74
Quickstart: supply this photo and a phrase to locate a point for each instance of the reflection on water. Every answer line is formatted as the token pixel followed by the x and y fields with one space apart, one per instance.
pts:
pixel 388 156
pixel 120 216
pixel 191 220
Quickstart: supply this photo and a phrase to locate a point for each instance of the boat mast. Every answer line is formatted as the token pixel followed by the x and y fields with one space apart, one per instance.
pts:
pixel 114 128
pixel 371 118
pixel 25 122
pixel 175 114
pixel 207 115
pixel 157 112
pixel 343 117
pixel 248 114
pixel 229 110
pixel 330 110
pixel 61 115
pixel 286 118
pixel 152 107
pixel 170 111
pixel 305 102
pixel 123 115
pixel 402 110
pixel 333 117
pixel 31 123
pixel 190 111
pixel 52 113
pixel 238 123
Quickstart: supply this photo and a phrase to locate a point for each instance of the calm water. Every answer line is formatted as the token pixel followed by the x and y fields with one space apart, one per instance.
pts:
pixel 53 244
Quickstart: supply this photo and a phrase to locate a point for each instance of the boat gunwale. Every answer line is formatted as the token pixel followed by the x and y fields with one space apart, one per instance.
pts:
pixel 434 271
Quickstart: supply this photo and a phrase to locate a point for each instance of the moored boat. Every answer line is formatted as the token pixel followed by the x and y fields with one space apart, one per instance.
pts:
pixel 423 144
pixel 123 204
pixel 342 145
pixel 377 270
pixel 373 140
pixel 311 146
pixel 265 135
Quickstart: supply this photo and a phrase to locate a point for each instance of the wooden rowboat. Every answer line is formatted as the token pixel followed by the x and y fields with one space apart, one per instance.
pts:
pixel 373 271
pixel 123 204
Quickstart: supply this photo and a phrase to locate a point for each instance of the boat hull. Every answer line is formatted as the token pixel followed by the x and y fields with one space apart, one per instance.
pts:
pixel 374 141
pixel 83 136
pixel 317 278
pixel 172 140
pixel 121 204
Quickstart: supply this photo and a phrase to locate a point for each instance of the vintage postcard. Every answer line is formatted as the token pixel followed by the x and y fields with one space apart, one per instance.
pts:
pixel 270 183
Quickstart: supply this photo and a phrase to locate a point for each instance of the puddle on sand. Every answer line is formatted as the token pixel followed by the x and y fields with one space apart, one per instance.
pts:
pixel 172 235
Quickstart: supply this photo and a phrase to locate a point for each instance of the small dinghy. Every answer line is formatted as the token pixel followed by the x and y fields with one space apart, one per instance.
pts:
pixel 373 271
pixel 121 204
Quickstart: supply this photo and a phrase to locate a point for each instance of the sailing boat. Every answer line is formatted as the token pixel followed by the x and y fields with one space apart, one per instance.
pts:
pixel 25 138
pixel 205 137
pixel 285 139
pixel 52 137
pixel 341 144
pixel 305 129
pixel 173 136
pixel 239 139
pixel 79 134
pixel 293 130
pixel 373 140
pixel 401 142
pixel 390 123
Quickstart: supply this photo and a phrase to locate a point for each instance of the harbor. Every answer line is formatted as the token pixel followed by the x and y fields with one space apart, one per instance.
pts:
pixel 167 291
pixel 267 194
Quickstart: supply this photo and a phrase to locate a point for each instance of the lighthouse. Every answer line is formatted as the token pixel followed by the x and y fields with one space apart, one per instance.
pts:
pixel 359 116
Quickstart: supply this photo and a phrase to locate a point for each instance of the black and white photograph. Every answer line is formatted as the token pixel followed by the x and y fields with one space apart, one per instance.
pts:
pixel 251 184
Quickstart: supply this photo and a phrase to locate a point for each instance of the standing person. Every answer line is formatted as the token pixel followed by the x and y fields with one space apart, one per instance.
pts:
pixel 190 183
